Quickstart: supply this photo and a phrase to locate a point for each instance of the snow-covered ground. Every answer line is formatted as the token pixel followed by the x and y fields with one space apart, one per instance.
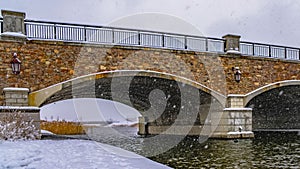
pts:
pixel 69 154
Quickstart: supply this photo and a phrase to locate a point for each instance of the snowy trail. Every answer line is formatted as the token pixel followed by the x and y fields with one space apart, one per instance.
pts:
pixel 71 154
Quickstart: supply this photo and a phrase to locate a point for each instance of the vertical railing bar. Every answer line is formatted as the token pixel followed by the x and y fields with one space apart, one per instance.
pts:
pixel 206 44
pixel 285 53
pixel 139 37
pixel 54 29
pixel 74 34
pixel 24 25
pixel 2 27
pixel 113 36
pixel 39 31
pixel 84 33
pixel 162 40
pixel 185 42
pixel 69 33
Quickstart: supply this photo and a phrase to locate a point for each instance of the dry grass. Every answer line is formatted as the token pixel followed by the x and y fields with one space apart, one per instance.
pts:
pixel 62 127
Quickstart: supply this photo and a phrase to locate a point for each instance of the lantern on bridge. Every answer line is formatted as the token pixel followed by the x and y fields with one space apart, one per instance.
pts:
pixel 16 64
pixel 237 74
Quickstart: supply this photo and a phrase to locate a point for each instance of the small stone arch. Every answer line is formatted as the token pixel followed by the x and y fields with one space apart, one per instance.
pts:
pixel 276 106
pixel 266 88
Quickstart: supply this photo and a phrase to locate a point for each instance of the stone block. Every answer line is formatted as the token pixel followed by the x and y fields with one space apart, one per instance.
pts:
pixel 11 101
pixel 22 101
pixel 16 95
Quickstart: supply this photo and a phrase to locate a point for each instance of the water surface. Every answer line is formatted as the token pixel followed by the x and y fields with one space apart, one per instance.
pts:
pixel 266 151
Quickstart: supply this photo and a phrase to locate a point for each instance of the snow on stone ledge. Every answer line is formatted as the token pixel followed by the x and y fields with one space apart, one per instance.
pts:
pixel 15 89
pixel 19 108
pixel 236 95
pixel 15 34
pixel 238 108
pixel 233 51
pixel 237 132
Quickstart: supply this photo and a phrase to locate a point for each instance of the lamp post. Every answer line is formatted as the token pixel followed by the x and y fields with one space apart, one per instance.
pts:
pixel 15 64
pixel 237 74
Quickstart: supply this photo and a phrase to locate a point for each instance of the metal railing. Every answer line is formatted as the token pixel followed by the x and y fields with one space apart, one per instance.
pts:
pixel 272 51
pixel 155 39
pixel 120 36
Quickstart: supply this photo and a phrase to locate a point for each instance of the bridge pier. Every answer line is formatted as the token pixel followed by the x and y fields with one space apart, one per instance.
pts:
pixel 143 126
pixel 236 120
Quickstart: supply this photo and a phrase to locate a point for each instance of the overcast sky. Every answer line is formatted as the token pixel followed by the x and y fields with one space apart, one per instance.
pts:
pixel 267 21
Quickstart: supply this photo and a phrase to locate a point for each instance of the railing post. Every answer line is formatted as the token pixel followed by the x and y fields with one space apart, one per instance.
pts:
pixel 162 40
pixel 54 27
pixel 84 29
pixel 139 38
pixel 13 22
pixel 285 53
pixel 185 42
pixel 113 35
pixel 1 27
pixel 232 43
pixel 270 51
pixel 206 44
pixel 253 49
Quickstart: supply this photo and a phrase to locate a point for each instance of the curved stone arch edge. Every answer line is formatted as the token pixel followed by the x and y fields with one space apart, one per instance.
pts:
pixel 249 96
pixel 37 98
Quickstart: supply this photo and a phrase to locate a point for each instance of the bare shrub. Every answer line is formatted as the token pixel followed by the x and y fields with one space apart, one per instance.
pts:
pixel 13 126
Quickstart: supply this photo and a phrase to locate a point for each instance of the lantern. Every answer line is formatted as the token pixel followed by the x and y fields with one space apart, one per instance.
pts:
pixel 237 74
pixel 16 64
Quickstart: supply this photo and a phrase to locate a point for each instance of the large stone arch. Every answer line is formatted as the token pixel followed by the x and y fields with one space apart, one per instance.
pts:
pixel 275 106
pixel 141 84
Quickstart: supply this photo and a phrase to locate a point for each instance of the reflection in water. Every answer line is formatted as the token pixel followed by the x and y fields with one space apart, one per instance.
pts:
pixel 266 152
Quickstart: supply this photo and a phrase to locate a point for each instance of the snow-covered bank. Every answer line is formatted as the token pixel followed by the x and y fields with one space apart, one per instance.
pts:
pixel 69 154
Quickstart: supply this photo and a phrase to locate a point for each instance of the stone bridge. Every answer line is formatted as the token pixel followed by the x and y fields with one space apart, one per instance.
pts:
pixel 200 83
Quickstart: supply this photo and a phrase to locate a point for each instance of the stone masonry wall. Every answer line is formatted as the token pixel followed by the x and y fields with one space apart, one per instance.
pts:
pixel 45 63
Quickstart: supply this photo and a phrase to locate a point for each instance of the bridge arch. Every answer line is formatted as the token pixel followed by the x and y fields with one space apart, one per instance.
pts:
pixel 142 84
pixel 268 87
pixel 275 106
